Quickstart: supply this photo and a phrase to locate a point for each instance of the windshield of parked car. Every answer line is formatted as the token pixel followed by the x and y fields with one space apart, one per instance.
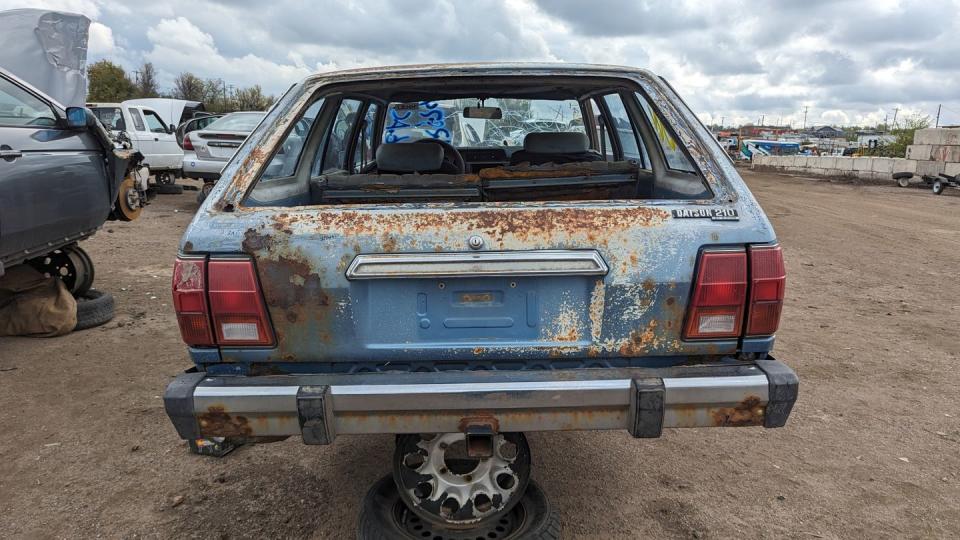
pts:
pixel 245 121
pixel 20 108
pixel 444 120
pixel 110 117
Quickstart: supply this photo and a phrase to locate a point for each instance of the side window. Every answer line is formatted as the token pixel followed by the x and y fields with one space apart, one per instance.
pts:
pixel 603 131
pixel 137 119
pixel 676 158
pixel 284 163
pixel 21 108
pixel 626 132
pixel 335 147
pixel 363 153
pixel 153 122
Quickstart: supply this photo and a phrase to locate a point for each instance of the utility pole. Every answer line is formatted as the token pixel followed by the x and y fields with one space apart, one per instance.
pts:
pixel 895 111
pixel 805 109
pixel 938 115
pixel 723 117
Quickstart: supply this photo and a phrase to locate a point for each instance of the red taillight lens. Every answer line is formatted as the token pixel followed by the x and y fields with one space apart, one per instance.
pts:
pixel 236 305
pixel 767 284
pixel 719 295
pixel 187 143
pixel 190 302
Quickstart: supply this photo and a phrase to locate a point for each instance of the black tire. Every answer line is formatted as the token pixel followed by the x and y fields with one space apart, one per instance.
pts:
pixel 189 187
pixel 382 516
pixel 168 189
pixel 903 178
pixel 938 187
pixel 93 309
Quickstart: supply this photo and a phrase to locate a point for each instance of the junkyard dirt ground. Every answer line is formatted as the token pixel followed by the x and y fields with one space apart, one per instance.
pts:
pixel 871 325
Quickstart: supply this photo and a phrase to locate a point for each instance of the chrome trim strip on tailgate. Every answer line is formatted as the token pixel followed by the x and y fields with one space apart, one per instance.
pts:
pixel 491 263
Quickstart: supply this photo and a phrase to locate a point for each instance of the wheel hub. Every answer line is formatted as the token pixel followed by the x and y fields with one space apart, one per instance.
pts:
pixel 444 485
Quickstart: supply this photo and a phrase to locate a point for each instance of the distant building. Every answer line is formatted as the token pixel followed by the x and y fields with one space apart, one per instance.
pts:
pixel 873 139
pixel 825 132
pixel 750 131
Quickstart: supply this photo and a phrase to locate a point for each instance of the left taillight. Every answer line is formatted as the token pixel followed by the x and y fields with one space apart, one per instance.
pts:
pixel 190 301
pixel 218 302
pixel 236 305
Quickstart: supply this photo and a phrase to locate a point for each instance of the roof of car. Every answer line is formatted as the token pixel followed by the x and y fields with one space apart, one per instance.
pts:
pixel 481 68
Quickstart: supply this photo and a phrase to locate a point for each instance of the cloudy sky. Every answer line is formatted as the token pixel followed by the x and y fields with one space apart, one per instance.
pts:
pixel 848 62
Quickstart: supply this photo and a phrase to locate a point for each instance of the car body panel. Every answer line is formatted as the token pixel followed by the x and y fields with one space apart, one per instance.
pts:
pixel 58 186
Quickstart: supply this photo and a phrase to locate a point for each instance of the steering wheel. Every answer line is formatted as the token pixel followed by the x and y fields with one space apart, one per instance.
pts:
pixel 451 155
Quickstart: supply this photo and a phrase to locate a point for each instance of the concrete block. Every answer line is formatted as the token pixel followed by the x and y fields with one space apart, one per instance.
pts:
pixel 919 151
pixel 862 163
pixel 904 165
pixel 950 136
pixel 951 169
pixel 828 162
pixel 930 168
pixel 844 163
pixel 882 165
pixel 948 153
pixel 928 136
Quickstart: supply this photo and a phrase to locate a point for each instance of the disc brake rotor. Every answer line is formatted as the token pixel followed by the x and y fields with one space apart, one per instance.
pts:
pixel 445 486
pixel 128 200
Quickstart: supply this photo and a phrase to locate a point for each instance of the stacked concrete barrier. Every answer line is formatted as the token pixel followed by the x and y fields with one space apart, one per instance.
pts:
pixel 937 151
pixel 933 152
pixel 879 169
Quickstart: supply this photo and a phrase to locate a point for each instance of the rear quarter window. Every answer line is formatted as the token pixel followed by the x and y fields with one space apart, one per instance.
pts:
pixel 673 153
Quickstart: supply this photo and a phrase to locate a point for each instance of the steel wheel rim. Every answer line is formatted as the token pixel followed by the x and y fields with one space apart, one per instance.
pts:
pixel 440 484
pixel 503 528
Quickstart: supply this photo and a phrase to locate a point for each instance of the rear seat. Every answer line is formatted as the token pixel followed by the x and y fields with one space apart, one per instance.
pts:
pixel 559 148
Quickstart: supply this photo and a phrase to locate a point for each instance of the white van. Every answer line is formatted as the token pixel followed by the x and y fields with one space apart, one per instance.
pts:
pixel 149 133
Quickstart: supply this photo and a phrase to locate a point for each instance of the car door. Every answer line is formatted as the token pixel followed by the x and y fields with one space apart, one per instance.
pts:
pixel 53 182
pixel 167 152
pixel 140 137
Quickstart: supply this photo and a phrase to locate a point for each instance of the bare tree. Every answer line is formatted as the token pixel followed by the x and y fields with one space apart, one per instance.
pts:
pixel 188 86
pixel 252 99
pixel 147 81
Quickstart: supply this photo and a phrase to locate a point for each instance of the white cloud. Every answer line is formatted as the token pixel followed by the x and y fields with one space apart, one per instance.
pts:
pixel 849 61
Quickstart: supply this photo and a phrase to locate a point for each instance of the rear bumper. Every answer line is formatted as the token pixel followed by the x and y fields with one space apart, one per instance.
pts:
pixel 642 401
pixel 204 169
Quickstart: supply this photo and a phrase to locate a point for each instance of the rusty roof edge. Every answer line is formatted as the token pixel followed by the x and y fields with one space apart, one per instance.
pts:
pixel 474 68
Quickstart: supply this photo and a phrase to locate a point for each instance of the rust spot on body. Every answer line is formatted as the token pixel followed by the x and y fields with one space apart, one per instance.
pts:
pixel 748 412
pixel 217 422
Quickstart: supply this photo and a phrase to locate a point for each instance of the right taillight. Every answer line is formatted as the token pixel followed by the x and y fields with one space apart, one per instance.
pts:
pixel 768 279
pixel 719 296
pixel 187 143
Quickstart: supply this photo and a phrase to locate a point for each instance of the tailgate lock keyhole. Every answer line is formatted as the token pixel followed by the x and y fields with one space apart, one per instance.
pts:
pixel 475 242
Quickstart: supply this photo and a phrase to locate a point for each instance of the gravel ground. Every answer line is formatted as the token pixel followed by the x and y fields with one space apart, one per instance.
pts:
pixel 871 325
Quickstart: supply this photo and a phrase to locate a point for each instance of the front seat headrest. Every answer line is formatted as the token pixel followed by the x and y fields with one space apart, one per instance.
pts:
pixel 409 157
pixel 556 143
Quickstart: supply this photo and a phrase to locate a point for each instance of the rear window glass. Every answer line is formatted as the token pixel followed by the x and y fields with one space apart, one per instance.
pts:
pixel 284 163
pixel 674 154
pixel 237 122
pixel 444 120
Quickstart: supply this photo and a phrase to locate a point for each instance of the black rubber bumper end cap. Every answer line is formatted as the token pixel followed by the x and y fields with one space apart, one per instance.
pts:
pixel 178 402
pixel 646 406
pixel 313 407
pixel 783 391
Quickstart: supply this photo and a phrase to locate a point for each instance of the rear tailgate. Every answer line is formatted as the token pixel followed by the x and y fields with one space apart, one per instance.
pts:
pixel 555 284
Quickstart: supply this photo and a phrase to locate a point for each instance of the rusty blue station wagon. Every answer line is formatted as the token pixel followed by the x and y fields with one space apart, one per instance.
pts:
pixel 458 254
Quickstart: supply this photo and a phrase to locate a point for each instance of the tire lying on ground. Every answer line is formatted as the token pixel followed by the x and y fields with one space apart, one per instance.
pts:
pixel 383 516
pixel 903 178
pixel 93 309
pixel 167 189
